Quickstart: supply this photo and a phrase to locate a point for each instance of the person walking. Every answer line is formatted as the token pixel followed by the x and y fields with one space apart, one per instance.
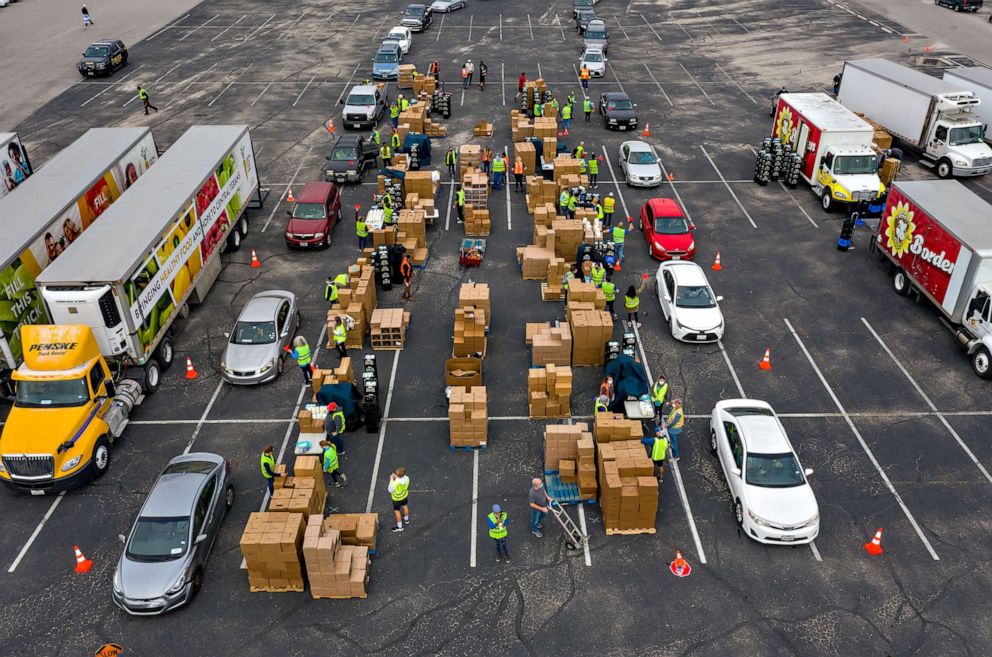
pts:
pixel 399 492
pixel 521 82
pixel 563 201
pixel 571 99
pixel 386 153
pixel 518 175
pixel 657 449
pixel 334 427
pixel 394 114
pixel 145 100
pixel 837 79
pixel 487 160
pixel 406 273
pixel 483 69
pixel 587 109
pixel 609 205
pixel 301 352
pixel 268 465
pixel 593 171
pixel 435 70
pixel 584 75
pixel 538 500
pixel 460 203
pixel 499 171
pixel 676 420
pixel 340 334
pixel 631 302
pixel 331 465
pixel 619 234
pixel 395 141
pixel 498 522
pixel 451 160
pixel 566 117
pixel 658 393
pixel 610 293
pixel 464 76
pixel 87 20
pixel 470 69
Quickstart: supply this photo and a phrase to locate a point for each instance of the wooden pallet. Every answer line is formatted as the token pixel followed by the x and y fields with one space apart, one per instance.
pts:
pixel 629 532
pixel 291 589
pixel 339 597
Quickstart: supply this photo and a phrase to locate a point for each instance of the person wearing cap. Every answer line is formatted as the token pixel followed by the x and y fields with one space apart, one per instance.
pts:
pixel 609 205
pixel 498 522
pixel 538 500
pixel 657 449
pixel 676 420
pixel 334 426
pixel 470 70
pixel 331 465
pixel 399 493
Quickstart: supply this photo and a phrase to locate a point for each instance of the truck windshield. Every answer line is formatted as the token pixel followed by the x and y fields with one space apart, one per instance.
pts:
pixel 96 51
pixel 308 211
pixel 970 135
pixel 360 99
pixel 254 333
pixel 158 539
pixel 855 164
pixel 344 153
pixel 52 394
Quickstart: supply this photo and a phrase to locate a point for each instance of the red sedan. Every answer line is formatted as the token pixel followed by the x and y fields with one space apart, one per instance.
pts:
pixel 667 231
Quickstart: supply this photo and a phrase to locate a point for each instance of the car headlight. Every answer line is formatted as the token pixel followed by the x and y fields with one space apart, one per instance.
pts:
pixel 117 582
pixel 318 236
pixel 3 468
pixel 289 235
pixel 71 463
pixel 329 172
pixel 658 247
pixel 758 520
pixel 270 363
pixel 613 121
pixel 692 246
pixel 812 521
pixel 960 163
pixel 224 366
pixel 180 583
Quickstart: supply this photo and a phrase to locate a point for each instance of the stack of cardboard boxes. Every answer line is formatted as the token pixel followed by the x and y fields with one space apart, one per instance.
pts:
pixel 628 489
pixel 271 546
pixel 424 84
pixel 477 221
pixel 405 80
pixel 482 129
pixel 412 230
pixel 552 346
pixel 528 155
pixel 546 127
pixel 334 570
pixel 304 492
pixel 591 330
pixel 470 331
pixel 553 287
pixel 614 427
pixel 475 294
pixel 469 159
pixel 340 374
pixel 568 237
pixel 468 414
pixel 357 301
pixel 534 261
pixel 540 192
pixel 389 328
pixel 549 391
pixel 310 420
pixel 413 117
pixel 360 529
pixel 569 450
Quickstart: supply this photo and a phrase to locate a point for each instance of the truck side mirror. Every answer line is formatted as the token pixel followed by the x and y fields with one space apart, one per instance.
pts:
pixel 110 388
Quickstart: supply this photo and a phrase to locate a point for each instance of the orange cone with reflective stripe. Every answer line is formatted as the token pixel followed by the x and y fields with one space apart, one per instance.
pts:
pixel 716 263
pixel 766 360
pixel 289 196
pixel 255 262
pixel 190 372
pixel 83 564
pixel 680 567
pixel 874 547
pixel 647 130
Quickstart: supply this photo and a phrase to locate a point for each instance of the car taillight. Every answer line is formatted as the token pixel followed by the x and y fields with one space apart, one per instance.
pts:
pixel 351 163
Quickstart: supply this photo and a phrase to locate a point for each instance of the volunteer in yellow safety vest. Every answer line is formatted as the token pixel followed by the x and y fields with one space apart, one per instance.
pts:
pixel 268 466
pixel 593 171
pixel 610 294
pixel 331 465
pixel 631 302
pixel 658 393
pixel 498 523
pixel 399 492
pixel 340 334
pixel 676 419
pixel 658 444
pixel 609 205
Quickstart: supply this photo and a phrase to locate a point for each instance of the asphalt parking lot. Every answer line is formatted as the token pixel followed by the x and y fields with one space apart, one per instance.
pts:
pixel 875 395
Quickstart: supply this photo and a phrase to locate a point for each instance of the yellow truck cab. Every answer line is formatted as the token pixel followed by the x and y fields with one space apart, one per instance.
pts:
pixel 67 411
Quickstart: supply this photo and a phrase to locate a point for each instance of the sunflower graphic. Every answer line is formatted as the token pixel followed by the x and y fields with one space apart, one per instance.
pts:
pixel 899 229
pixel 784 125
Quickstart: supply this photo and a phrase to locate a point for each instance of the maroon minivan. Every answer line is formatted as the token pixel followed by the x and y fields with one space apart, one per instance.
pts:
pixel 317 209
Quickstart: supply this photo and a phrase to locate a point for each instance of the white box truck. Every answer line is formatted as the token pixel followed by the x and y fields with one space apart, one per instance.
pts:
pixel 835 144
pixel 50 210
pixel 977 80
pixel 159 249
pixel 936 235
pixel 934 117
pixel 15 167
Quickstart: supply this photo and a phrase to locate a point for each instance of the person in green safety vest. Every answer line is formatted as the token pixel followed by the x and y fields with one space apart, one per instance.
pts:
pixel 598 274
pixel 566 117
pixel 631 302
pixel 573 201
pixel 395 141
pixel 386 154
pixel 376 137
pixel 587 108
pixel 609 205
pixel 602 406
pixel 387 209
pixel 499 171
pixel 301 352
pixel 498 523
pixel 268 465
pixel 554 102
pixel 563 201
pixel 362 230
pixel 619 234
pixel 404 103
pixel 334 426
pixel 399 492
pixel 460 203
pixel 394 114
pixel 658 393
pixel 538 110
pixel 451 160
pixel 598 206
pixel 610 293
pixel 565 280
pixel 583 166
pixel 571 98
pixel 340 334
pixel 658 450
pixel 580 150
pixel 331 465
pixel 593 170
pixel 331 291
pixel 676 420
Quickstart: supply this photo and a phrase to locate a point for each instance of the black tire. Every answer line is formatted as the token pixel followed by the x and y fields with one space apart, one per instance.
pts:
pixel 826 200
pixel 101 457
pixel 229 497
pixel 166 353
pixel 900 282
pixel 243 226
pixel 197 582
pixel 712 442
pixel 957 7
pixel 569 545
pixel 981 363
pixel 944 169
pixel 738 513
pixel 233 241
pixel 153 377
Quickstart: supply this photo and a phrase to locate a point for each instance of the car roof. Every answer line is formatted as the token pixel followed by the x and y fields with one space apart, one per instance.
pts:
pixel 686 273
pixel 260 308
pixel 616 95
pixel 388 46
pixel 399 28
pixel 596 48
pixel 665 207
pixel 347 140
pixel 104 42
pixel 763 434
pixel 174 494
pixel 597 20
pixel 315 191
pixel 636 146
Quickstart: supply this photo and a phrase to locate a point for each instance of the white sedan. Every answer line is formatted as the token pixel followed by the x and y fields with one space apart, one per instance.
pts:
pixel 688 303
pixel 401 36
pixel 593 59
pixel 772 500
pixel 639 164
pixel 444 6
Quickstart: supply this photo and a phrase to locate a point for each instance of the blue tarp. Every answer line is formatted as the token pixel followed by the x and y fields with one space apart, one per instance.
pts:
pixel 629 380
pixel 347 397
pixel 423 143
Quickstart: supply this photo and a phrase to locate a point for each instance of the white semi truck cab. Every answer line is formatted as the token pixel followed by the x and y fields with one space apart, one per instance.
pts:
pixel 957 137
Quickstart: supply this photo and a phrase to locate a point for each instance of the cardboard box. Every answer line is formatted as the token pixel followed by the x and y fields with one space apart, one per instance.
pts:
pixel 464 372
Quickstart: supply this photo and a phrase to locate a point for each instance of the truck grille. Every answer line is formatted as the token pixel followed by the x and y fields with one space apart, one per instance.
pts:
pixel 863 196
pixel 30 467
pixel 356 117
pixel 983 161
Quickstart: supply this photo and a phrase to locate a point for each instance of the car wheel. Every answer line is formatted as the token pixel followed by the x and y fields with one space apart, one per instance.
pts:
pixel 243 226
pixel 944 169
pixel 280 365
pixel 826 200
pixel 197 582
pixel 900 282
pixel 298 320
pixel 981 362
pixel 153 377
pixel 166 352
pixel 738 513
pixel 957 7
pixel 234 241
pixel 101 457
pixel 229 496
pixel 712 442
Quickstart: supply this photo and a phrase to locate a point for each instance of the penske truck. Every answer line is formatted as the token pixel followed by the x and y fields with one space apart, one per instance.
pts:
pixel 835 144
pixel 15 166
pixel 932 116
pixel 936 235
pixel 113 301
pixel 977 80
pixel 45 217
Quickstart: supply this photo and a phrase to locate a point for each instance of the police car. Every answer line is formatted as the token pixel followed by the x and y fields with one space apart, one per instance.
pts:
pixel 102 58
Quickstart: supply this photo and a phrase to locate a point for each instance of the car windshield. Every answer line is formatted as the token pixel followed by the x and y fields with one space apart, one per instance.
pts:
pixel 969 135
pixel 773 471
pixel 49 394
pixel 254 333
pixel 855 164
pixel 619 105
pixel 344 153
pixel 361 99
pixel 97 51
pixel 671 226
pixel 583 3
pixel 595 34
pixel 159 539
pixel 593 57
pixel 415 12
pixel 396 35
pixel 694 296
pixel 385 58
pixel 308 211
pixel 642 157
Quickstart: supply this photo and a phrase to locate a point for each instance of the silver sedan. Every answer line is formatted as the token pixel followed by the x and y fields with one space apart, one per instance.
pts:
pixel 444 6
pixel 639 164
pixel 166 551
pixel 254 352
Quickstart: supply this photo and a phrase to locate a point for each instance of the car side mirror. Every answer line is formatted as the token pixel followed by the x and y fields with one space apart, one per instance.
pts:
pixel 692 227
pixel 809 472
pixel 122 537
pixel 719 299
pixel 226 334
pixel 341 102
pixel 200 538
pixel 736 471
pixel 635 104
pixel 288 213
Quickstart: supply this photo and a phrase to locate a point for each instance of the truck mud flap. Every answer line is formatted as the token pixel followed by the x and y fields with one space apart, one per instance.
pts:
pixel 258 200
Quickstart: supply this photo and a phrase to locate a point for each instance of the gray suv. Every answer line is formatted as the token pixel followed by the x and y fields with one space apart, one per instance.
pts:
pixel 166 551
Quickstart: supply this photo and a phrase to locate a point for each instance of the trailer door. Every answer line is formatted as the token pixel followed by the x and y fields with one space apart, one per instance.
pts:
pixel 800 147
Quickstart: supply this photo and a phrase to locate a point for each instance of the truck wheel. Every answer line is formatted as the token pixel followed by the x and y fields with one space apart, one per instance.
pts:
pixel 944 169
pixel 153 377
pixel 234 241
pixel 826 200
pixel 900 282
pixel 101 457
pixel 166 352
pixel 981 362
pixel 243 226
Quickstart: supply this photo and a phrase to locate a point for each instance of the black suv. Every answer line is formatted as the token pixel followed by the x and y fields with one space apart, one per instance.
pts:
pixel 102 58
pixel 618 111
pixel 961 5
pixel 350 157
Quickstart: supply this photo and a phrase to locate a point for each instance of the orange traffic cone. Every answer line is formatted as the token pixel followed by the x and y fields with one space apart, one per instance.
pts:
pixel 874 547
pixel 647 130
pixel 905 39
pixel 255 262
pixel 83 564
pixel 190 372
pixel 680 567
pixel 330 126
pixel 716 263
pixel 289 196
pixel 766 360
pixel 671 176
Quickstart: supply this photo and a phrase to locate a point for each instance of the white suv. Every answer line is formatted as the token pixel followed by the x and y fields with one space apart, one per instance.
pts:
pixel 773 501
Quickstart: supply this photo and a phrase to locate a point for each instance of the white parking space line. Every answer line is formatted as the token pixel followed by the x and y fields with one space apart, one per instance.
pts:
pixel 740 25
pixel 111 86
pixel 539 74
pixel 382 433
pixel 729 188
pixel 620 25
pixel 502 80
pixel 734 82
pixel 531 26
pixel 929 403
pixel 651 27
pixel 205 23
pixel 616 181
pixel 375 35
pixel 211 103
pixel 309 82
pixel 685 31
pixel 162 77
pixel 560 27
pixel 260 94
pixel 288 31
pixel 471 18
pixel 864 445
pixel 275 206
pixel 815 550
pixel 473 529
pixel 619 84
pixel 206 412
pixel 193 79
pixel 253 32
pixel 224 31
pixel 34 534
pixel 451 200
pixel 730 367
pixel 660 88
pixel 440 28
pixel 582 525
pixel 501 27
pixel 693 78
pixel 669 177
pixel 347 85
pixel 168 27
pixel 788 193
pixel 462 101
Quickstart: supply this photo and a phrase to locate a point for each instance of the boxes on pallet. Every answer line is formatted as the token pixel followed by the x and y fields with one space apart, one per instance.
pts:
pixel 475 294
pixel 628 493
pixel 468 416
pixel 412 223
pixel 521 130
pixel 591 330
pixel 469 158
pixel 533 328
pixel 388 328
pixel 568 237
pixel 544 214
pixel 475 184
pixel 544 237
pixel 308 422
pixel 477 221
pixel 340 374
pixel 414 117
pixel 360 529
pixel 553 287
pixel 579 291
pixel 614 427
pixel 545 126
pixel 470 332
pixel 565 165
pixel 405 79
pixel 566 471
pixel 525 151
pixel 423 183
pixel 534 261
pixel 271 544
pixel 549 391
pixel 334 570
pixel 552 345
pixel 424 84
pixel 569 450
pixel 301 495
pixel 482 129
